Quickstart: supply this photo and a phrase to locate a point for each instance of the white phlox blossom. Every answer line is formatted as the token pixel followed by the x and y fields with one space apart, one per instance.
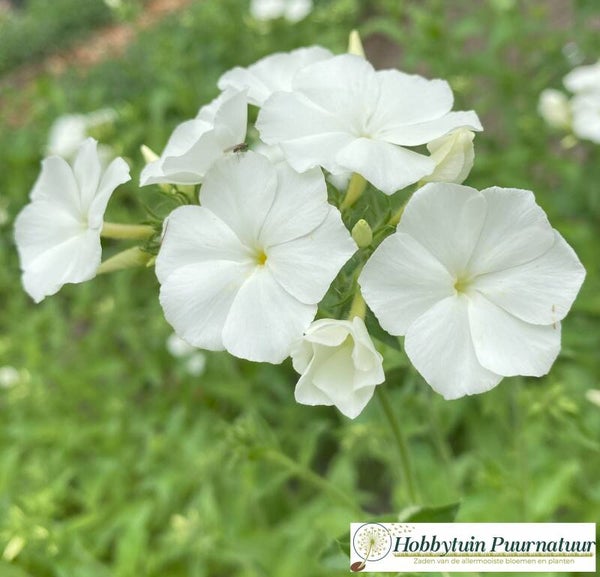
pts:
pixel 585 110
pixel 196 144
pixel 271 73
pixel 339 365
pixel 68 132
pixel 58 232
pixel 583 79
pixel 292 10
pixel 343 115
pixel 244 272
pixel 554 108
pixel 478 283
pixel 453 155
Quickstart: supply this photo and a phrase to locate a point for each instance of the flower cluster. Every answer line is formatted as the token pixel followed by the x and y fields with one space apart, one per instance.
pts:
pixel 581 112
pixel 476 282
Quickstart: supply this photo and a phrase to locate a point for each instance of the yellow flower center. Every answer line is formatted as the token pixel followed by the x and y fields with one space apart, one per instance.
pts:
pixel 462 284
pixel 261 257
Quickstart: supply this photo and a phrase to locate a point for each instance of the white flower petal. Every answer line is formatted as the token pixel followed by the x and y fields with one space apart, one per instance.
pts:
pixel 401 281
pixel 272 73
pixel 231 118
pixel 299 206
pixel 194 234
pixel 515 231
pixel 197 298
pixel 183 139
pixel 302 268
pixel 508 346
pixel 264 320
pixel 73 261
pixel 240 191
pixel 540 291
pixel 583 79
pixel 409 99
pixel 311 136
pixel 440 346
pixel 56 184
pixel 387 167
pixel 447 220
pixel 116 174
pixel 422 133
pixel 87 170
pixel 346 86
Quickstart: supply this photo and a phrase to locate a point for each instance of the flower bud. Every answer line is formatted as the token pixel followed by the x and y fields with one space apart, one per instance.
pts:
pixel 362 233
pixel 339 365
pixel 553 107
pixel 453 155
pixel 355 44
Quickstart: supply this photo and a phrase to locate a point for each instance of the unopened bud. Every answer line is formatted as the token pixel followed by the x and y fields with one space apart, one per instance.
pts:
pixel 355 44
pixel 362 233
pixel 453 155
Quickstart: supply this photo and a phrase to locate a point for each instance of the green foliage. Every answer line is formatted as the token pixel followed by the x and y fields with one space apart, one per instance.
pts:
pixel 114 461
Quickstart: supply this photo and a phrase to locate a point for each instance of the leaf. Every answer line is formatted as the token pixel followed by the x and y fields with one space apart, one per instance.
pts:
pixel 426 514
pixel 9 570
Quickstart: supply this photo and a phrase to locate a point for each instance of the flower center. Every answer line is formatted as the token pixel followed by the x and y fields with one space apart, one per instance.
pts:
pixel 261 257
pixel 462 284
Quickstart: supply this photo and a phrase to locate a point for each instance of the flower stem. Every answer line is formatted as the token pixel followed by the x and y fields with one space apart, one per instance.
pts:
pixel 126 231
pixel 405 465
pixel 356 187
pixel 311 477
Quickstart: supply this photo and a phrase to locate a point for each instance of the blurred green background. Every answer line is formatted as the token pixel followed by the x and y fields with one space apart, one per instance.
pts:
pixel 116 461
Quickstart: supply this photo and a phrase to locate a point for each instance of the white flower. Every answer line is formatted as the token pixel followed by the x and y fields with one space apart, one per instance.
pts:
pixel 292 10
pixel 9 377
pixel 339 365
pixel 453 155
pixel 271 73
pixel 244 272
pixel 585 109
pixel 58 233
pixel 68 132
pixel 345 116
pixel 553 107
pixel 478 282
pixel 583 79
pixel 196 144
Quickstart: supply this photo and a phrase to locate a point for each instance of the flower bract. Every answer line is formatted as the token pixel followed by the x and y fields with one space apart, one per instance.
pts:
pixel 478 283
pixel 58 232
pixel 343 115
pixel 244 272
pixel 339 365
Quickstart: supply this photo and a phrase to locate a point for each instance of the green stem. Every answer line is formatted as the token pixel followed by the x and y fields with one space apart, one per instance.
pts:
pixel 356 187
pixel 126 231
pixel 311 477
pixel 405 465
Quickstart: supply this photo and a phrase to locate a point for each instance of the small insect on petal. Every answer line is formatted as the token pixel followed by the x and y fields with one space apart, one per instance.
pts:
pixel 241 147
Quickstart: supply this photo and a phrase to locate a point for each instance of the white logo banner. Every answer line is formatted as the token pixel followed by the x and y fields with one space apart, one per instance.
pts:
pixel 473 547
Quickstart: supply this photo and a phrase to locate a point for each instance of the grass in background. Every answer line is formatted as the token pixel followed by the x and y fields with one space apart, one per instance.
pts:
pixel 115 462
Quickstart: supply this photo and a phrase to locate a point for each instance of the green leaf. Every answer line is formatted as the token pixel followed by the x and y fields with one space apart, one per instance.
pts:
pixel 378 333
pixel 9 570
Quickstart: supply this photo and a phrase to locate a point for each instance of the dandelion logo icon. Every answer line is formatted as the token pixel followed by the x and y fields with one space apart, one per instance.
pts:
pixel 371 542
